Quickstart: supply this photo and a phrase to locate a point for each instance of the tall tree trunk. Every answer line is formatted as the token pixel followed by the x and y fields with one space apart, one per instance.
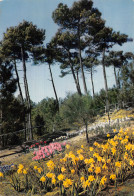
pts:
pixel 27 96
pixel 18 81
pixel 77 76
pixel 81 66
pixel 74 76
pixel 106 86
pixel 116 80
pixel 53 85
pixel 92 82
pixel 86 126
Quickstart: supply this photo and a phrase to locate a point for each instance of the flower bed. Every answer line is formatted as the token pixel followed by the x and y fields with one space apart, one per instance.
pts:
pixel 48 151
pixel 37 144
pixel 85 170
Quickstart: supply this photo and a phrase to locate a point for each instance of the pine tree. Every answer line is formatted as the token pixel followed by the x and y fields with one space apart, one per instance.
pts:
pixel 12 111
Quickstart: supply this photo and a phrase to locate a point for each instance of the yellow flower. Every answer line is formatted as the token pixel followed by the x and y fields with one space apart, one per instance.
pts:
pixel 53 180
pixel 91 149
pixel 82 146
pixel 19 171
pixel 60 177
pixel 71 155
pixel 126 155
pixel 40 170
pixel 86 161
pixel 113 150
pixel 91 178
pixel 21 166
pixel 25 171
pixel 64 159
pixel 85 184
pixel 79 151
pixel 43 179
pixel 124 141
pixel 121 130
pixel 1 175
pixel 35 167
pixel 95 144
pixel 128 147
pixel 50 165
pixel 63 169
pixel 114 130
pixel 66 155
pixel 98 170
pixel 103 180
pixel 108 135
pixel 118 164
pixel 72 171
pixel 99 158
pixel 131 162
pixel 82 179
pixel 113 177
pixel 81 157
pixel 91 160
pixel 67 146
pixel 90 169
pixel 67 183
pixel 50 175
pixel 95 155
pixel 105 166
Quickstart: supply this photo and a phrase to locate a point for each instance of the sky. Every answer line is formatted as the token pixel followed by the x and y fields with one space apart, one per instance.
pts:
pixel 119 14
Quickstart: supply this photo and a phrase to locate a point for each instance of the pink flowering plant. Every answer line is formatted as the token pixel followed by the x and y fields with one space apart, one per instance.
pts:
pixel 48 151
pixel 37 144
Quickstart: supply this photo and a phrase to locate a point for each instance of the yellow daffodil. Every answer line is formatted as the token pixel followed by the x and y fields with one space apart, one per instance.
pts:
pixel 67 146
pixel 1 175
pixel 43 179
pixel 25 171
pixel 118 164
pixel 82 179
pixel 98 170
pixel 131 162
pixel 91 149
pixel 50 165
pixel 91 178
pixel 103 180
pixel 72 171
pixel 50 175
pixel 113 177
pixel 60 177
pixel 108 135
pixel 81 157
pixel 35 167
pixel 63 169
pixel 53 180
pixel 90 170
pixel 86 184
pixel 40 170
pixel 67 183
pixel 113 150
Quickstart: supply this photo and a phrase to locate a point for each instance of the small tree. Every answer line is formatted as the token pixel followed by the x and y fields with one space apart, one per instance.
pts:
pixel 79 109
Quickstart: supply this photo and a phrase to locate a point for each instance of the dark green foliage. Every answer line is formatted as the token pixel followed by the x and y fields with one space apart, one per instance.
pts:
pixel 47 110
pixel 79 109
pixel 39 123
pixel 12 111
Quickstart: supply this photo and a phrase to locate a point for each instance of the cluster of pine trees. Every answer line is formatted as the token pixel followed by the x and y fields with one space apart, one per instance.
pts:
pixel 82 42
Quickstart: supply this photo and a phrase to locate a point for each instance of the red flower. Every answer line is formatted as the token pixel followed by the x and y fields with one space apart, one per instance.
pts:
pixel 37 144
pixel 45 142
